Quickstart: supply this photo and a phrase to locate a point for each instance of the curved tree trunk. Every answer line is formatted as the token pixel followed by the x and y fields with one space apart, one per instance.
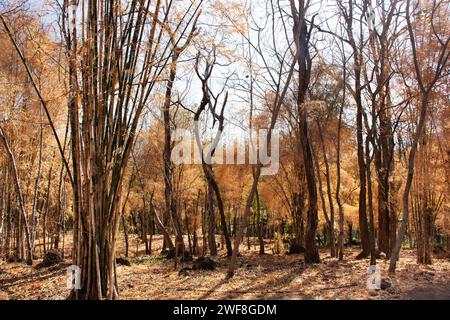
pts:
pixel 23 214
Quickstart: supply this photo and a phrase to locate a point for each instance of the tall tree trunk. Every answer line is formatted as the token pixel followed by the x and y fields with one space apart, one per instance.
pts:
pixel 171 207
pixel 204 235
pixel 301 39
pixel 338 172
pixel 60 209
pixel 425 90
pixel 144 229
pixel 122 217
pixel 211 223
pixel 47 207
pixel 405 198
pixel 23 214
pixel 362 212
pixel 260 224
pixel 257 174
pixel 125 233
pixel 322 197
pixel 329 192
pixel 373 260
pixel 163 228
pixel 8 185
pixel 34 216
pixel 195 250
pixel 357 95
pixel 186 219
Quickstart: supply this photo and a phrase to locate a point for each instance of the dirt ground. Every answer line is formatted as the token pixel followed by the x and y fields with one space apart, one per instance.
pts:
pixel 258 277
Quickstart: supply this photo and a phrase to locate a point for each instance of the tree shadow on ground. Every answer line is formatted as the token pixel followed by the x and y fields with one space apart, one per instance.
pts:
pixel 264 289
pixel 213 289
pixel 273 286
pixel 40 274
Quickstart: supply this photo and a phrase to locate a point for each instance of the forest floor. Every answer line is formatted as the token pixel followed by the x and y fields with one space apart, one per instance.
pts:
pixel 258 277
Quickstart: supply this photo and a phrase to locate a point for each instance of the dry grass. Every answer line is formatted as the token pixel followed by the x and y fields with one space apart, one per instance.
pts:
pixel 258 277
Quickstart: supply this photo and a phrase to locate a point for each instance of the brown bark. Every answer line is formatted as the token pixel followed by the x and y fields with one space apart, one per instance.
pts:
pixel 338 170
pixel 163 228
pixel 425 90
pixel 260 224
pixel 209 100
pixel 240 230
pixel 34 215
pixel 18 188
pixel 171 208
pixel 47 208
pixel 370 196
pixel 357 95
pixel 322 197
pixel 301 40
pixel 118 75
pixel 329 192
pixel 409 178
pixel 211 223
